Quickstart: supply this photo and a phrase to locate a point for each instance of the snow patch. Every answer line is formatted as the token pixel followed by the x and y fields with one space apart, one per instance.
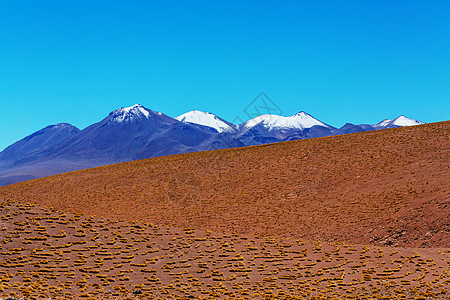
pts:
pixel 300 121
pixel 404 121
pixel 131 113
pixel 206 119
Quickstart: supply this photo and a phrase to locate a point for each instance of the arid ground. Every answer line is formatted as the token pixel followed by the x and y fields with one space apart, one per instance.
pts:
pixel 363 215
pixel 46 253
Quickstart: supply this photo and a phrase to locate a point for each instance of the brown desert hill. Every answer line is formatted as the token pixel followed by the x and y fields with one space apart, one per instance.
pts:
pixel 387 187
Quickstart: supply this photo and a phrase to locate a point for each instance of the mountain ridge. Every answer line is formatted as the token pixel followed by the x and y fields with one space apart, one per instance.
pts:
pixel 136 132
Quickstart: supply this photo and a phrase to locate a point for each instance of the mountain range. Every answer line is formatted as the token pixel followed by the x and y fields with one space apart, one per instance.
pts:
pixel 136 132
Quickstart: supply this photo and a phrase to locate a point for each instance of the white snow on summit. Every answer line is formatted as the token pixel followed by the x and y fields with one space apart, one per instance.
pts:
pixel 383 123
pixel 300 121
pixel 136 111
pixel 206 119
pixel 400 121
pixel 404 121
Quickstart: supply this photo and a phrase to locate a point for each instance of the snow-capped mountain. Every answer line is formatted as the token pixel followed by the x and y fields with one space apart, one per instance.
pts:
pixel 136 132
pixel 273 128
pixel 397 122
pixel 298 121
pixel 136 113
pixel 207 119
pixel 128 133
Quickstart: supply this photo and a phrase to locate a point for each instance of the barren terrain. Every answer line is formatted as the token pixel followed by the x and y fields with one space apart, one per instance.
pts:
pixel 47 253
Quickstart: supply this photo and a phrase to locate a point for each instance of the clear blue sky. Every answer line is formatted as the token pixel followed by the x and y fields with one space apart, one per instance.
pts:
pixel 340 61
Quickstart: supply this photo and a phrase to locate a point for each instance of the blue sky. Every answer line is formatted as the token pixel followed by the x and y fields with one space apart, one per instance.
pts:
pixel 340 61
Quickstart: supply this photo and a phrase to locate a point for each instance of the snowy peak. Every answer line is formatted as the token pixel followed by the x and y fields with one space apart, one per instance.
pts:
pixel 404 121
pixel 206 119
pixel 132 113
pixel 398 122
pixel 299 121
